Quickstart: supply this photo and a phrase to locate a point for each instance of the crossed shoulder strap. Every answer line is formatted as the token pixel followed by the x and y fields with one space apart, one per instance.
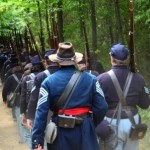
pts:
pixel 16 78
pixel 69 89
pixel 32 76
pixel 47 72
pixel 122 94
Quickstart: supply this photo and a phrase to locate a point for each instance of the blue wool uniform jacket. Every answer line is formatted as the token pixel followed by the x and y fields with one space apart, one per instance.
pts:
pixel 23 89
pixel 10 86
pixel 35 91
pixel 88 93
pixel 7 62
pixel 3 58
pixel 138 94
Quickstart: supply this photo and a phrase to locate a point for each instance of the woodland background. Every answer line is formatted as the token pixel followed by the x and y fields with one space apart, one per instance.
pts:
pixel 106 22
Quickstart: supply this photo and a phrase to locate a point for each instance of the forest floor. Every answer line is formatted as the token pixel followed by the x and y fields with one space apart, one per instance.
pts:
pixel 9 138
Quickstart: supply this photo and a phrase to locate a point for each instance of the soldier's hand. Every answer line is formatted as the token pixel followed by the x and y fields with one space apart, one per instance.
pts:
pixel 29 123
pixel 23 119
pixel 39 148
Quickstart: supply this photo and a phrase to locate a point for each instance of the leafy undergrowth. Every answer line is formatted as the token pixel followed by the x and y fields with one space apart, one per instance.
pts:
pixel 145 142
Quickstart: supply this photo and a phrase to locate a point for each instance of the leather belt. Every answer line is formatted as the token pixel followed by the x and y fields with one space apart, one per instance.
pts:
pixel 110 113
pixel 77 118
pixel 80 118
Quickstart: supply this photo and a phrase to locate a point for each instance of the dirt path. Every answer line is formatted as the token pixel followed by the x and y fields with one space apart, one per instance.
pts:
pixel 8 130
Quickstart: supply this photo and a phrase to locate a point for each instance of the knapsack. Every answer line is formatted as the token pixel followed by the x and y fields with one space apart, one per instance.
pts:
pixel 13 96
pixel 29 86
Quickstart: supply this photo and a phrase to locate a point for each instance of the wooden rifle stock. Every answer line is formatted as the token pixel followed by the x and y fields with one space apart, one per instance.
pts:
pixel 87 51
pixel 131 42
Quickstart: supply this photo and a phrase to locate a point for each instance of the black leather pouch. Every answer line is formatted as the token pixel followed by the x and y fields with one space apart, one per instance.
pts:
pixel 66 121
pixel 138 132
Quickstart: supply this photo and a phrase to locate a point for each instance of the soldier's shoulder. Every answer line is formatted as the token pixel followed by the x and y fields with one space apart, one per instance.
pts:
pixel 40 74
pixel 138 76
pixel 103 75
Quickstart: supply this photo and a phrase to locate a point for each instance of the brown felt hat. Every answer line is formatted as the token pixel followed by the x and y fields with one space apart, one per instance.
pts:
pixel 66 55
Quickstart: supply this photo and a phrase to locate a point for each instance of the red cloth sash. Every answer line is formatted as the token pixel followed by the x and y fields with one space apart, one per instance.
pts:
pixel 75 111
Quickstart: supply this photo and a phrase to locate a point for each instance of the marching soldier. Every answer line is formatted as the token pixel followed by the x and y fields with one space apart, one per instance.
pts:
pixel 138 95
pixel 11 87
pixel 51 67
pixel 26 87
pixel 87 97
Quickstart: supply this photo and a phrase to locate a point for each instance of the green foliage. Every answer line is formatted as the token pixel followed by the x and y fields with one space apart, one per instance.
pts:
pixel 15 13
pixel 145 115
pixel 143 11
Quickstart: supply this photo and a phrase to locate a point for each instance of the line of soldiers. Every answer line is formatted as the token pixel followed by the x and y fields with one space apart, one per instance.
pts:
pixel 37 90
pixel 20 89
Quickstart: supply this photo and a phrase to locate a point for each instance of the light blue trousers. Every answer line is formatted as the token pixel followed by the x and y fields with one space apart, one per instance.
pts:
pixel 19 126
pixel 124 142
pixel 27 135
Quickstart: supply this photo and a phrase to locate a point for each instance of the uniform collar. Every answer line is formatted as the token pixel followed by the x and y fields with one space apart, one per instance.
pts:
pixel 52 67
pixel 68 67
pixel 119 67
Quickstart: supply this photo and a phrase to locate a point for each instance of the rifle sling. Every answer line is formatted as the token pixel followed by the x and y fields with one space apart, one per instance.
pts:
pixel 69 89
pixel 16 78
pixel 18 83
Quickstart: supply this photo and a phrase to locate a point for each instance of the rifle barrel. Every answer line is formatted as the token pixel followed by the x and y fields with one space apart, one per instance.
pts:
pixel 87 51
pixel 131 34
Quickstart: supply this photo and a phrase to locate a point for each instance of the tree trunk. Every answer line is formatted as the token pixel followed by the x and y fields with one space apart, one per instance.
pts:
pixel 26 39
pixel 47 24
pixel 119 22
pixel 41 27
pixel 60 21
pixel 94 29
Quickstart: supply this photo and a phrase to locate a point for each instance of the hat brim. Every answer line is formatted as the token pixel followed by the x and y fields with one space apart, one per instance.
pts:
pixel 78 57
